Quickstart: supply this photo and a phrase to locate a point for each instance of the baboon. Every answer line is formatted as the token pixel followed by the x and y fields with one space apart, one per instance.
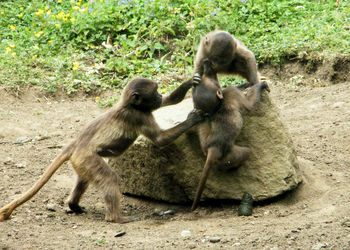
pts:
pixel 109 135
pixel 217 134
pixel 228 55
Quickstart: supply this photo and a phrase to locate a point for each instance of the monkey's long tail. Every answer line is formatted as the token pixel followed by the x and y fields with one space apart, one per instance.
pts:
pixel 213 154
pixel 7 210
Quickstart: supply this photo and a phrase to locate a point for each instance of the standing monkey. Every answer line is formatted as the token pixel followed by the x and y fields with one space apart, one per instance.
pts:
pixel 218 133
pixel 109 135
pixel 228 55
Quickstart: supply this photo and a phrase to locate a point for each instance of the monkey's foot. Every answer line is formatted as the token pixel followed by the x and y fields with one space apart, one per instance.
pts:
pixel 5 213
pixel 74 208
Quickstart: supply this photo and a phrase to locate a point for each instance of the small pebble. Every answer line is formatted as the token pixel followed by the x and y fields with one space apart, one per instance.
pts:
pixel 23 139
pixel 214 239
pixel 170 212
pixel 51 207
pixel 20 165
pixel 186 233
pixel 120 234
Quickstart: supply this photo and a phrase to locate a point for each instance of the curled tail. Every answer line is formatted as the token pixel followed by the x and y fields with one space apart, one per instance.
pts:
pixel 7 210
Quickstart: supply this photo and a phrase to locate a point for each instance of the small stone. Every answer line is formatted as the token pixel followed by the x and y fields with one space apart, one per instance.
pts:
pixel 51 207
pixel 319 246
pixel 192 246
pixel 169 212
pixel 246 206
pixel 8 161
pixel 20 165
pixel 120 234
pixel 214 239
pixel 157 212
pixel 186 233
pixel 23 139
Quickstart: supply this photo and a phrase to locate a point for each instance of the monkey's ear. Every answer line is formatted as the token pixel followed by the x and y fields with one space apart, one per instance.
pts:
pixel 136 99
pixel 219 94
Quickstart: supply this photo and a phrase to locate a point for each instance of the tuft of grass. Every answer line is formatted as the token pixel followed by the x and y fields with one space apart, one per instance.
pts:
pixel 99 44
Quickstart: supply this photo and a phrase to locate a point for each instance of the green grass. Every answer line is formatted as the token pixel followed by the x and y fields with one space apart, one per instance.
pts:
pixel 96 45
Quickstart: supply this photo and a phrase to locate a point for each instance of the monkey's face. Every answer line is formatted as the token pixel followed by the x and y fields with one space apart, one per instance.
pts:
pixel 151 101
pixel 221 49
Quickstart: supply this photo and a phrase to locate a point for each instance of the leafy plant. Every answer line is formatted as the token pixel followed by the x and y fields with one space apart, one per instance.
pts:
pixel 99 44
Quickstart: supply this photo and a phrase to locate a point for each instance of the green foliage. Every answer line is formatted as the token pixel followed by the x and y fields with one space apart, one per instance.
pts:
pixel 99 44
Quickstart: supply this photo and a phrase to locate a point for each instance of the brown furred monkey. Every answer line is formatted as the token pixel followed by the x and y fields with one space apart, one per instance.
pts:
pixel 218 133
pixel 110 135
pixel 228 55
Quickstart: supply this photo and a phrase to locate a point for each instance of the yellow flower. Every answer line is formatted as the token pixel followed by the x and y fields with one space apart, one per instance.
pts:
pixel 65 19
pixel 13 54
pixel 68 15
pixel 50 41
pixel 2 13
pixel 72 1
pixel 8 50
pixel 60 15
pixel 48 12
pixel 47 7
pixel 190 25
pixel 35 56
pixel 59 1
pixel 22 8
pixel 12 27
pixel 78 3
pixel 20 15
pixel 39 12
pixel 97 98
pixel 57 25
pixel 39 34
pixel 75 8
pixel 36 47
pixel 72 19
pixel 75 66
pixel 12 46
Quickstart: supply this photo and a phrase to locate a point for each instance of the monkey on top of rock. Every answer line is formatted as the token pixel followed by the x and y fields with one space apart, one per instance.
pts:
pixel 218 133
pixel 109 135
pixel 228 55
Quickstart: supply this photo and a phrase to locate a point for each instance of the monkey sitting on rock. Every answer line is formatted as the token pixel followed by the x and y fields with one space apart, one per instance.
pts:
pixel 218 133
pixel 228 55
pixel 109 135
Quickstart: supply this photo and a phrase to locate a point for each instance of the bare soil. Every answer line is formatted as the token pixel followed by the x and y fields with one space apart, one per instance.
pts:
pixel 33 129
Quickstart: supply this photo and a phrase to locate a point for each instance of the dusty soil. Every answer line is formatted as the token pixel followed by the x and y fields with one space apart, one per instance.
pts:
pixel 315 216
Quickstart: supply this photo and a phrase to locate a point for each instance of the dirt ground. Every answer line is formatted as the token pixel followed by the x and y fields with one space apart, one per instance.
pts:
pixel 33 129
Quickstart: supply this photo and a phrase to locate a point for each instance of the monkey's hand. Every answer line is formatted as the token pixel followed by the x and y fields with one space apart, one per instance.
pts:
pixel 196 116
pixel 196 80
pixel 264 85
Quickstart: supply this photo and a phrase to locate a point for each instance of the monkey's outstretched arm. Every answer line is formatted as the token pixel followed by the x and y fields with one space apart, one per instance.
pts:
pixel 164 137
pixel 179 93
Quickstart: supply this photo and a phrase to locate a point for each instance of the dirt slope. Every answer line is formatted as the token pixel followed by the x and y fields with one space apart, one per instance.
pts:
pixel 315 216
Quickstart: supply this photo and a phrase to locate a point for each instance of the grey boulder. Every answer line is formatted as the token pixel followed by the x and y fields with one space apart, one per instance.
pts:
pixel 172 173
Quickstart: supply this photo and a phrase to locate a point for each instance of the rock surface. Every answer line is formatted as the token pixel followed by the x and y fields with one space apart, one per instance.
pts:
pixel 172 173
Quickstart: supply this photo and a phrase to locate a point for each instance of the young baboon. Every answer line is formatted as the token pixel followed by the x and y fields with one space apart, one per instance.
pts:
pixel 110 135
pixel 228 55
pixel 217 134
